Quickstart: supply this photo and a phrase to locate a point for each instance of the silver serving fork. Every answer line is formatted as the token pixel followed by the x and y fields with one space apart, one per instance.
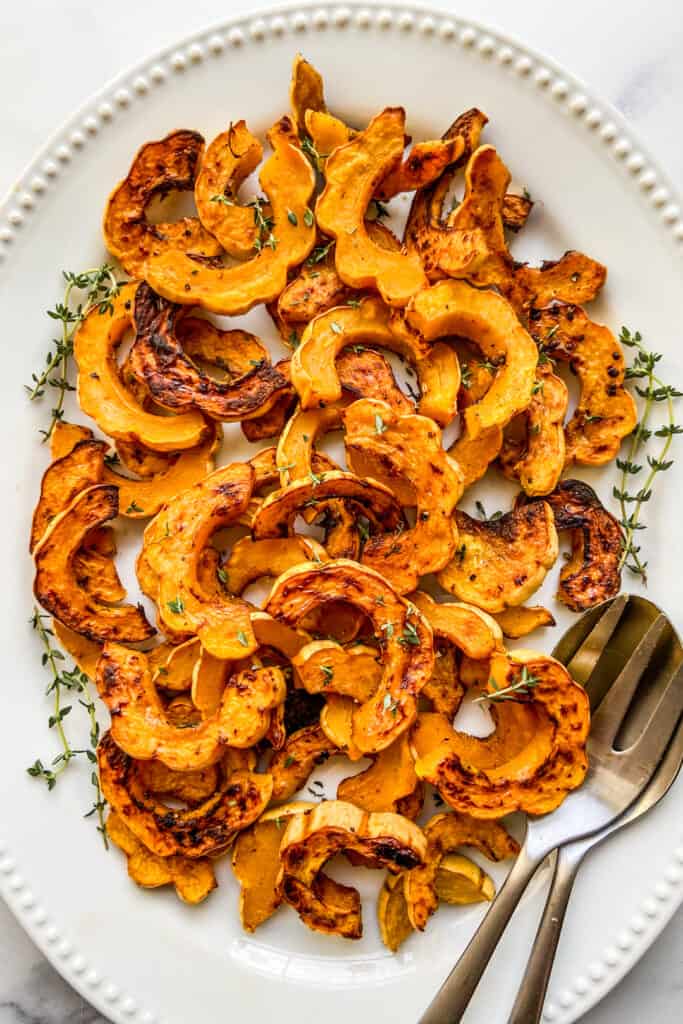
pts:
pixel 528 1007
pixel 616 777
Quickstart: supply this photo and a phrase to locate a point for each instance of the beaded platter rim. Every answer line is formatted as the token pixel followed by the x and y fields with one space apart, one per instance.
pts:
pixel 18 212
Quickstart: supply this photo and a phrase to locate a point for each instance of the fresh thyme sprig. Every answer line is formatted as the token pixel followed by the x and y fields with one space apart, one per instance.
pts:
pixel 653 391
pixel 101 287
pixel 521 687
pixel 64 681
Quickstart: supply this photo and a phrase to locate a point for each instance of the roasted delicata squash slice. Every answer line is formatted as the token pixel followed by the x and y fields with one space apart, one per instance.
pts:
pixel 458 881
pixel 463 626
pixel 425 162
pixel 536 456
pixel 228 160
pixel 256 864
pixel 352 174
pixel 475 455
pixel 193 879
pixel 63 480
pixel 444 690
pixel 381 443
pixel 102 395
pixel 306 92
pixel 324 666
pixel 234 352
pixel 313 369
pixel 407 652
pixel 501 562
pixel 606 413
pixel 85 653
pixel 574 278
pixel 446 833
pixel 173 669
pixel 327 132
pixel 252 560
pixel 173 379
pixel 311 839
pixel 593 573
pixel 168 563
pixel 140 726
pixel 56 586
pixel 454 307
pixel 291 766
pixel 158 168
pixel 386 784
pixel 194 832
pixel 276 515
pixel 524 619
pixel 336 721
pixel 287 180
pixel 535 756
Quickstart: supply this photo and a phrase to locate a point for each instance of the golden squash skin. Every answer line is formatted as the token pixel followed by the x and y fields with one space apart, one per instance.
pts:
pixel 251 560
pixel 228 160
pixel 233 351
pixel 173 380
pixel 167 565
pixel 195 832
pixel 56 586
pixel 501 562
pixel 536 755
pixel 408 447
pixel 63 480
pixel 453 307
pixel 193 879
pixel 574 278
pixel 256 864
pixel 311 839
pixel 606 413
pixel 407 652
pixel 387 784
pixel 352 173
pixel 157 169
pixel 291 766
pixel 446 833
pixel 538 457
pixel 276 515
pixel 593 573
pixel 141 729
pixel 103 397
pixel 287 180
pixel 324 666
pixel 425 162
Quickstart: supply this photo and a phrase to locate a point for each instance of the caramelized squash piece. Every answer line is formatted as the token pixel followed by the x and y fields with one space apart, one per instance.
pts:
pixel 158 168
pixel 407 649
pixel 256 864
pixel 453 307
pixel 252 560
pixel 324 666
pixel 520 621
pixel 193 879
pixel 86 653
pixel 574 278
pixel 538 458
pixel 63 480
pixel 311 839
pixel 606 413
pixel 287 180
pixel 386 783
pixel 56 586
pixel 593 573
pixel 102 396
pixel 230 158
pixel 306 92
pixel 352 174
pixel 291 766
pixel 168 563
pixel 140 726
pixel 200 831
pixel 468 628
pixel 501 562
pixel 446 833
pixel 535 756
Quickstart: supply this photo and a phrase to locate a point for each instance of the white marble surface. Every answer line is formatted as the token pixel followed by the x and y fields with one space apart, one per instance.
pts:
pixel 53 55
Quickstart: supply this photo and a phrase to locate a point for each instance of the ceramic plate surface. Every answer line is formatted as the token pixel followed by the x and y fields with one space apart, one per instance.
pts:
pixel 144 957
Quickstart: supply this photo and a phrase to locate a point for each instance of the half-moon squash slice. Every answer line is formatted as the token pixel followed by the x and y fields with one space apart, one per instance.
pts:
pixel 228 160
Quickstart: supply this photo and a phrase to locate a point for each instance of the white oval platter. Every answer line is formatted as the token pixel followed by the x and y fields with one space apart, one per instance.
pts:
pixel 145 958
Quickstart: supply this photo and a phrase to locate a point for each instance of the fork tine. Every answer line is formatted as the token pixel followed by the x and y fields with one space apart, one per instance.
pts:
pixel 646 752
pixel 586 657
pixel 614 705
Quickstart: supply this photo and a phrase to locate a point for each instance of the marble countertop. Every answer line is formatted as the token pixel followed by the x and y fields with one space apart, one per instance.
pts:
pixel 55 55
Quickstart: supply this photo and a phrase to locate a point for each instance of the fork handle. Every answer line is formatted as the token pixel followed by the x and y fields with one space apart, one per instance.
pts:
pixel 528 1006
pixel 454 996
